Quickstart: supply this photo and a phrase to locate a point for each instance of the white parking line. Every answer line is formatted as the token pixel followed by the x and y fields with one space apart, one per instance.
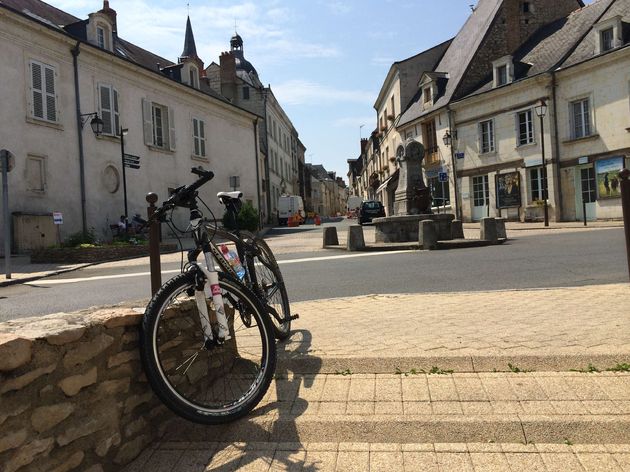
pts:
pixel 174 271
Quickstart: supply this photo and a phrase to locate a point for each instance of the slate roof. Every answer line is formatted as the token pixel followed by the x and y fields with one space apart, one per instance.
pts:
pixel 68 24
pixel 457 57
pixel 551 44
pixel 190 49
pixel 586 48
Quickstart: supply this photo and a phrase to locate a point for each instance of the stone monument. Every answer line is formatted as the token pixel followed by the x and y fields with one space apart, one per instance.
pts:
pixel 412 196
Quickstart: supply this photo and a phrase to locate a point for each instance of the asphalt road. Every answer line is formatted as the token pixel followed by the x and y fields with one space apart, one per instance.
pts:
pixel 556 259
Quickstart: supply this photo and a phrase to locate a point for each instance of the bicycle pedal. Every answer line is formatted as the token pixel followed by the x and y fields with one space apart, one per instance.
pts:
pixel 294 317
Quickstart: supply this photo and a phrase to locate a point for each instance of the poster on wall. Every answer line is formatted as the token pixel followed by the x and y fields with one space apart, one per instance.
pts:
pixel 607 175
pixel 508 190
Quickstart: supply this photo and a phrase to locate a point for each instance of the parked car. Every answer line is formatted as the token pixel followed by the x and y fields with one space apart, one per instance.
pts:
pixel 369 210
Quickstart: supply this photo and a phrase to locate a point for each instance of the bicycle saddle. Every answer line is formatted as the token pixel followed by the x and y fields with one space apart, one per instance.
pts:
pixel 229 195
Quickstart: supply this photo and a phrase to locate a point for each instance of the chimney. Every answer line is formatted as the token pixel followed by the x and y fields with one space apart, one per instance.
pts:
pixel 227 65
pixel 364 143
pixel 111 13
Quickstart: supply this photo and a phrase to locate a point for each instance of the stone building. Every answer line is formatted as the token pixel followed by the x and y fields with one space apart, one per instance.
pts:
pixel 280 160
pixel 60 73
pixel 476 111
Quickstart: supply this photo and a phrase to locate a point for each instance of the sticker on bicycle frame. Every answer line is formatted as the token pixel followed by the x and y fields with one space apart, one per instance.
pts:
pixel 216 289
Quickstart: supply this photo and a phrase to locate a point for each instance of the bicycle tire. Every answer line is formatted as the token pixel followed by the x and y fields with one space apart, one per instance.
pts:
pixel 220 384
pixel 271 288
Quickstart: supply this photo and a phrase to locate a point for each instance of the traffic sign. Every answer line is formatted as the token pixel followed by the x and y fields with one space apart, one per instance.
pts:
pixel 442 177
pixel 131 161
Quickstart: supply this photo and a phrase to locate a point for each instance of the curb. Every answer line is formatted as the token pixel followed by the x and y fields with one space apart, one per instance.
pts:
pixel 6 283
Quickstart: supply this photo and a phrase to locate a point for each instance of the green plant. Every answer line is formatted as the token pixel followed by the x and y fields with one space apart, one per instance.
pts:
pixel 247 218
pixel 568 442
pixel 438 371
pixel 343 372
pixel 517 370
pixel 409 372
pixel 589 370
pixel 620 368
pixel 78 238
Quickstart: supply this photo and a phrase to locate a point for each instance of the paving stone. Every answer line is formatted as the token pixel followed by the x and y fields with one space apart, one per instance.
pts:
pixel 353 461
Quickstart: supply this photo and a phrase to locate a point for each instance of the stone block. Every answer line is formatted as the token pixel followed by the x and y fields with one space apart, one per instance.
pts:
pixel 90 426
pixel 105 444
pixel 27 453
pixel 457 229
pixel 71 462
pixel 14 351
pixel 45 417
pixel 122 358
pixel 427 235
pixel 73 384
pixel 501 232
pixel 136 400
pixel 87 350
pixel 131 450
pixel 126 318
pixel 12 440
pixel 135 427
pixel 22 381
pixel 67 336
pixel 113 387
pixel 488 229
pixel 330 236
pixel 355 238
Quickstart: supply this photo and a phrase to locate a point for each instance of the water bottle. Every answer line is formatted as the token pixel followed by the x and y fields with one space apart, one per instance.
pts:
pixel 234 261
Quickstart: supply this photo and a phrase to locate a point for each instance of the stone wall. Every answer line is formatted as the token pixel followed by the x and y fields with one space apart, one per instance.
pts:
pixel 73 395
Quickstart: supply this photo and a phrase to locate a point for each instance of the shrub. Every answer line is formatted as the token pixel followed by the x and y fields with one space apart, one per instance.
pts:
pixel 247 218
pixel 78 238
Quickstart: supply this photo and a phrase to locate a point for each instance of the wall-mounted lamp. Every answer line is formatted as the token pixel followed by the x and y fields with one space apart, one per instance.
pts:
pixel 96 123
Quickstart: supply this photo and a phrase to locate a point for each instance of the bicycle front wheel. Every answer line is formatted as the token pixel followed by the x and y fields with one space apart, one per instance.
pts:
pixel 269 286
pixel 207 385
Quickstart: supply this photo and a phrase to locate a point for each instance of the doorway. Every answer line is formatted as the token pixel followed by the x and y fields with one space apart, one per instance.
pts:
pixel 585 191
pixel 481 197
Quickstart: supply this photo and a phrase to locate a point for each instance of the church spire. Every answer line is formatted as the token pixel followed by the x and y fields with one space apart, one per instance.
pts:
pixel 190 50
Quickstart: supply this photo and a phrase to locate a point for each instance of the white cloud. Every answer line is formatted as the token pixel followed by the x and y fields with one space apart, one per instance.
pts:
pixel 355 122
pixel 304 92
pixel 338 7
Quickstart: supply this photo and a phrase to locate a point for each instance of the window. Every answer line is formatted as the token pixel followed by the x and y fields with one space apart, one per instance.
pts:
pixel 580 119
pixel 481 191
pixel 100 37
pixel 199 138
pixel 159 125
pixel 486 136
pixel 43 92
pixel 587 176
pixel 426 93
pixel 536 184
pixel 502 75
pixel 525 128
pixel 607 39
pixel 35 174
pixel 245 93
pixel 393 107
pixel 108 109
pixel 526 7
pixel 439 192
pixel 193 77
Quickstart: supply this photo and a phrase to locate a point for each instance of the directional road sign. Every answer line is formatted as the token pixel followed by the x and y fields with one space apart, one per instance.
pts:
pixel 131 161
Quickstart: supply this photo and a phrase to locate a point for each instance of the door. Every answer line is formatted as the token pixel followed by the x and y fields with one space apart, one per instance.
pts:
pixel 585 192
pixel 481 197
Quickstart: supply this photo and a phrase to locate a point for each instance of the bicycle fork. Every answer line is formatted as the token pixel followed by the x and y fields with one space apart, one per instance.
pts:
pixel 211 289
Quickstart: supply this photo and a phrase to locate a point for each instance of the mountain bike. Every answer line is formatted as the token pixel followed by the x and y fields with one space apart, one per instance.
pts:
pixel 207 341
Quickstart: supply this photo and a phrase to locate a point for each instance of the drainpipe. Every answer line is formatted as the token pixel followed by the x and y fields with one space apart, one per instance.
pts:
pixel 257 172
pixel 458 212
pixel 556 147
pixel 75 55
pixel 268 188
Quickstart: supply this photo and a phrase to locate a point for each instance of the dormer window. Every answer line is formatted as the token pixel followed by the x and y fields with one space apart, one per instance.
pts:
pixel 426 94
pixel 100 37
pixel 99 31
pixel 608 34
pixel 503 71
pixel 193 77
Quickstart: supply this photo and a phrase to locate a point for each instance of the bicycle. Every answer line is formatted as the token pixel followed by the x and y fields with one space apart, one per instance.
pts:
pixel 206 341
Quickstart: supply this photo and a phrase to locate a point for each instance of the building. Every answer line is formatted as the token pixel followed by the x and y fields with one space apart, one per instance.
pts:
pixel 477 112
pixel 279 166
pixel 60 73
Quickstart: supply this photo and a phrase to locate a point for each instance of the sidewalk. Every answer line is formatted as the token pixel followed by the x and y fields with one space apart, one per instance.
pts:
pixel 474 381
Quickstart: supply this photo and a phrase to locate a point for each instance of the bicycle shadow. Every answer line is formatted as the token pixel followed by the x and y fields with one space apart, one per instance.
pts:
pixel 257 437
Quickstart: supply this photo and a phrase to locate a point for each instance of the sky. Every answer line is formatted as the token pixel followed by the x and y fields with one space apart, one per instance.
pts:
pixel 325 60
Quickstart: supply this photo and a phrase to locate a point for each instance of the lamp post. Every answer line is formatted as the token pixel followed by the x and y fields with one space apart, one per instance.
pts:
pixel 122 133
pixel 448 141
pixel 541 111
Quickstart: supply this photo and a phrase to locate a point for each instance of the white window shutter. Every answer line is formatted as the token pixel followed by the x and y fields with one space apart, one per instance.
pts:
pixel 147 122
pixel 51 97
pixel 116 112
pixel 106 108
pixel 37 90
pixel 202 138
pixel 171 125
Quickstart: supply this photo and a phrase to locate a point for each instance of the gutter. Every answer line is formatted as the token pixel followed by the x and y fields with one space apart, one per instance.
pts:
pixel 556 146
pixel 268 187
pixel 77 97
pixel 257 172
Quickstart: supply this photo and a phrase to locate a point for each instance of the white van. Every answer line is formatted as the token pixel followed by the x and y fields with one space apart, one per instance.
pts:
pixel 290 205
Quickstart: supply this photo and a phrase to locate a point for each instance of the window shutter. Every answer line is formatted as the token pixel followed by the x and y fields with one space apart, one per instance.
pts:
pixel 106 108
pixel 195 136
pixel 116 112
pixel 171 126
pixel 37 89
pixel 587 117
pixel 202 138
pixel 147 122
pixel 51 99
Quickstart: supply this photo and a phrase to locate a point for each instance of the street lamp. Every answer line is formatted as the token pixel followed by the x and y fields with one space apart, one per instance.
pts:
pixel 95 123
pixel 541 111
pixel 448 141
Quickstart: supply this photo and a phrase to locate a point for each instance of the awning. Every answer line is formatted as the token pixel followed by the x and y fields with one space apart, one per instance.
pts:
pixel 389 180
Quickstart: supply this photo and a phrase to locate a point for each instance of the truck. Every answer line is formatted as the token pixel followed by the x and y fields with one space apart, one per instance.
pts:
pixel 290 206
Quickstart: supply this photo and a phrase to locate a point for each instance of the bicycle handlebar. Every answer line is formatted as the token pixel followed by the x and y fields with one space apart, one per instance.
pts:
pixel 184 194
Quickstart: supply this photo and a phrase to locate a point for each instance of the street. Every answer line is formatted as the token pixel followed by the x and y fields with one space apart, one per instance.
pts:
pixel 558 258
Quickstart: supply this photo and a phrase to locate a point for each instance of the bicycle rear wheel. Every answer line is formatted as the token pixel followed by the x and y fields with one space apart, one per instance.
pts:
pixel 207 385
pixel 269 285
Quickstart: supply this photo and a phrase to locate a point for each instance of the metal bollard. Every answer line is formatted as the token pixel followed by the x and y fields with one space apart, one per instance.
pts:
pixel 154 245
pixel 624 175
